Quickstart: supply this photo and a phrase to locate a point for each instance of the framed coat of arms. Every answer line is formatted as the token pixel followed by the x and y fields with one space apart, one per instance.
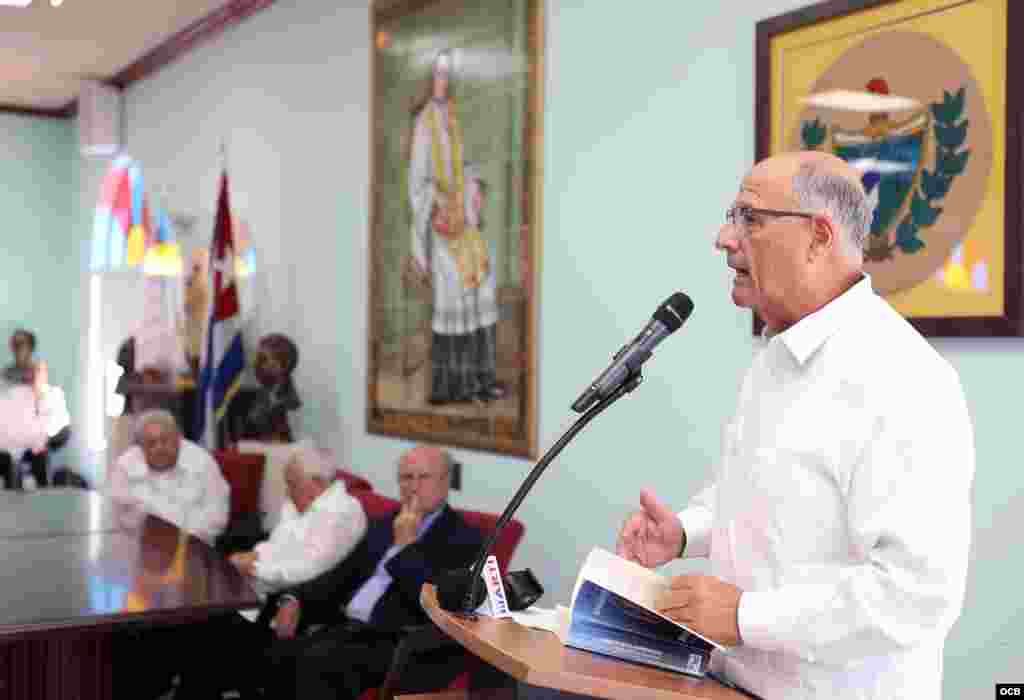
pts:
pixel 915 95
pixel 454 222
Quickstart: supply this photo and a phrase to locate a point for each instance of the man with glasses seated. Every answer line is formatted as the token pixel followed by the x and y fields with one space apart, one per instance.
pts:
pixel 838 523
pixel 362 604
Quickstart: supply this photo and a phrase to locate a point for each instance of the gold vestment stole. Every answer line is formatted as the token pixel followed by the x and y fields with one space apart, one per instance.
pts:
pixel 465 244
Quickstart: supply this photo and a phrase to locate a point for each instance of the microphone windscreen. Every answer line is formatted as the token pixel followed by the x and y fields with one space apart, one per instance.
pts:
pixel 674 311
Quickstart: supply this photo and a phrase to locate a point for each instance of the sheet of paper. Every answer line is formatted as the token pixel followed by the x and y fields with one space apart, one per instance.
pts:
pixel 554 620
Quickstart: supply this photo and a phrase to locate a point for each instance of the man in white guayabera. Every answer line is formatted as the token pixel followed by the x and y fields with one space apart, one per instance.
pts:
pixel 838 520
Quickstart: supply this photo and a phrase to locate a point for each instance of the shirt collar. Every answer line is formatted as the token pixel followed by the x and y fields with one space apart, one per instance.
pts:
pixel 807 335
pixel 327 498
pixel 429 519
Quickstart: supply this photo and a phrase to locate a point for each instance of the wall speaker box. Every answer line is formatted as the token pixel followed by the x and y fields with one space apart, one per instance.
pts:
pixel 99 118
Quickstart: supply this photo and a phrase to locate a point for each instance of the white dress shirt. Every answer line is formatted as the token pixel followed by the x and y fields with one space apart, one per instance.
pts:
pixel 192 494
pixel 54 407
pixel 305 545
pixel 841 507
pixel 26 422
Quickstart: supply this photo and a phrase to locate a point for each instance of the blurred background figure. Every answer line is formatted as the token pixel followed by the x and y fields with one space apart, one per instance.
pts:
pixel 34 422
pixel 23 345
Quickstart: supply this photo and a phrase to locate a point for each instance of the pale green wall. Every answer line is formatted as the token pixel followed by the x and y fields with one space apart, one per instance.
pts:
pixel 36 255
pixel 649 126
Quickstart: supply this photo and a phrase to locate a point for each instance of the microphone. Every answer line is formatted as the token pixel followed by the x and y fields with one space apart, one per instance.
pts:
pixel 666 320
pixel 460 590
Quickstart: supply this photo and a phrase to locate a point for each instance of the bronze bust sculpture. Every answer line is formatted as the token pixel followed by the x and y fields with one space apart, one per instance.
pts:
pixel 261 413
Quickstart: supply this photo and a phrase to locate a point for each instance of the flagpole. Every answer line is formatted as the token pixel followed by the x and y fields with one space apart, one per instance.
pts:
pixel 224 359
pixel 223 154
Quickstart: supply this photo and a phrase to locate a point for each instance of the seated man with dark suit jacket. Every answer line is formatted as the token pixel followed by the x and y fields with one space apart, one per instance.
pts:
pixel 374 593
pixel 364 602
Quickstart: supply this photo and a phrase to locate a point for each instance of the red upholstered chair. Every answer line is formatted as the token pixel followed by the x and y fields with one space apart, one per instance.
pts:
pixel 244 473
pixel 427 637
pixel 353 482
pixel 375 505
pixel 507 541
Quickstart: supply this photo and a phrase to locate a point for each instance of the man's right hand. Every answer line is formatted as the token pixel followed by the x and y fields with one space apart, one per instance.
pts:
pixel 245 562
pixel 286 620
pixel 407 522
pixel 652 535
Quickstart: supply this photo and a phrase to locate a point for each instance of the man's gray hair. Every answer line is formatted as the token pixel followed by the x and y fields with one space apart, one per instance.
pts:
pixel 313 463
pixel 817 190
pixel 165 419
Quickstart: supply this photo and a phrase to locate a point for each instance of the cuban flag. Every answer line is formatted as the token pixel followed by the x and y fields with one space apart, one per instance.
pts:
pixel 223 358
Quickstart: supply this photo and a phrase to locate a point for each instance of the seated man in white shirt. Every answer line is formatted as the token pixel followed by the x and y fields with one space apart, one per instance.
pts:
pixel 165 475
pixel 361 605
pixel 320 524
pixel 34 420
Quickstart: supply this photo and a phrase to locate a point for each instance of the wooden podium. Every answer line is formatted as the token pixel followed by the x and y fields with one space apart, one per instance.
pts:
pixel 513 662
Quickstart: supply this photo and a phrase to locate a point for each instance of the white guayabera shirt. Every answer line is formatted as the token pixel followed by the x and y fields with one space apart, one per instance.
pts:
pixel 305 545
pixel 26 422
pixel 192 494
pixel 841 507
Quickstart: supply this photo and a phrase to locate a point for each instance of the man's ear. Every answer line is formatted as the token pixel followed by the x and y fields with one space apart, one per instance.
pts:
pixel 823 235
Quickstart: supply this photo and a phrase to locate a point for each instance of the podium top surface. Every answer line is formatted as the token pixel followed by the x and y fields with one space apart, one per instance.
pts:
pixel 538 658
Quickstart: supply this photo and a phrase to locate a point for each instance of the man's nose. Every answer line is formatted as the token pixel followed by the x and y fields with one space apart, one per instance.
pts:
pixel 727 239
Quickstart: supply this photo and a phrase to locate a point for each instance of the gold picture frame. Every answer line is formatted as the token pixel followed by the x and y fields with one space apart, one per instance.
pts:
pixel 916 94
pixel 455 213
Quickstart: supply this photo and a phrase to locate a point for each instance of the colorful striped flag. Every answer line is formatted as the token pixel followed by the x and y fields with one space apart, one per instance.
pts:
pixel 223 358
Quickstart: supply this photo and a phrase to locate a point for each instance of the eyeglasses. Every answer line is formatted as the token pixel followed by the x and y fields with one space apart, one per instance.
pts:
pixel 744 218
pixel 407 478
pixel 164 439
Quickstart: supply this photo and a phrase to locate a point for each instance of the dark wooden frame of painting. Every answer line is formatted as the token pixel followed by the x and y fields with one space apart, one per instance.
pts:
pixel 424 427
pixel 1011 322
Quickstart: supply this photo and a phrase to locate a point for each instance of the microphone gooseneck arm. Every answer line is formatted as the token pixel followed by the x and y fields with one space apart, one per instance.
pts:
pixel 631 382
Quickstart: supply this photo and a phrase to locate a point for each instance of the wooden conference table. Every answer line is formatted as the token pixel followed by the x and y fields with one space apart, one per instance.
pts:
pixel 75 569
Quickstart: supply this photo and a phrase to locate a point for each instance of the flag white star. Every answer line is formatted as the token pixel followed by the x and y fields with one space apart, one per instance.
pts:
pixel 226 267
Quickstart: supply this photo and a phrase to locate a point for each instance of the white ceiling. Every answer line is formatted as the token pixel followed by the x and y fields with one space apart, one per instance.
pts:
pixel 45 51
